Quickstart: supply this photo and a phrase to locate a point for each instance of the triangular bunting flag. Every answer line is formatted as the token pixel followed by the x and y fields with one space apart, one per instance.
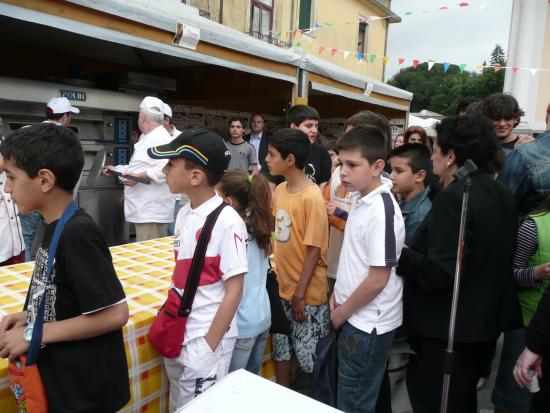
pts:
pixel 302 33
pixel 430 65
pixel 294 34
pixel 415 63
pixel 479 67
pixel 401 60
pixel 533 71
pixel 515 69
pixel 462 66
pixel 328 24
pixel 497 68
pixel 333 52
pixel 278 34
pixel 408 13
pixel 386 59
pixel 446 66
pixel 346 54
pixel 321 49
pixel 359 56
pixel 372 58
pixel 463 4
pixel 298 44
pixel 444 8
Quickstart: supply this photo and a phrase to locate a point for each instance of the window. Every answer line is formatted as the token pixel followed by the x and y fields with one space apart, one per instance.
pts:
pixel 362 37
pixel 305 20
pixel 261 16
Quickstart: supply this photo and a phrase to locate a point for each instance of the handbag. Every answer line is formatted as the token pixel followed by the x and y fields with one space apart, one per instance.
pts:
pixel 23 374
pixel 167 332
pixel 280 324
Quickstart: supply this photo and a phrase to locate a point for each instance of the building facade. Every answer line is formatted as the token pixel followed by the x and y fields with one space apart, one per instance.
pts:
pixel 353 26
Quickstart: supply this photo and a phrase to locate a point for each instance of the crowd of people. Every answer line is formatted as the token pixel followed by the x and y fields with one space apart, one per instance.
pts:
pixel 362 232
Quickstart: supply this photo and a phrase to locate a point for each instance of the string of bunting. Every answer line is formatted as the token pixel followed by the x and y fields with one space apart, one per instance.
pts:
pixel 372 57
pixel 370 19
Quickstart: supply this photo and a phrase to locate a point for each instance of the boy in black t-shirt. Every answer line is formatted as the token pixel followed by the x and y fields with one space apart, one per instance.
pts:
pixel 82 362
pixel 318 164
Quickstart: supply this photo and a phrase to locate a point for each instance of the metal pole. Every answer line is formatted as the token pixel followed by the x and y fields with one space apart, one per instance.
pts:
pixel 449 353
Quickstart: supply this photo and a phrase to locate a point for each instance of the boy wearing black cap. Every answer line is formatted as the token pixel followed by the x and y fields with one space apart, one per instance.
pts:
pixel 197 160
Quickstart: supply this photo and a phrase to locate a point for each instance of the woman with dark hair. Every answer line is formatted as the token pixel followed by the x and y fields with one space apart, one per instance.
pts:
pixel 416 134
pixel 487 303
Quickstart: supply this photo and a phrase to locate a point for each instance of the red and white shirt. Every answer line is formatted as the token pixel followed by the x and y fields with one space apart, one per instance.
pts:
pixel 225 257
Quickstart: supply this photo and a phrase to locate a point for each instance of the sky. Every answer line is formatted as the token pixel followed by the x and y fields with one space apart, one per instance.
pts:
pixel 458 35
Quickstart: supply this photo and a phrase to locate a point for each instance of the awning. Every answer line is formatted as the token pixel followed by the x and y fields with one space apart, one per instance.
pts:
pixel 332 71
pixel 211 32
pixel 357 96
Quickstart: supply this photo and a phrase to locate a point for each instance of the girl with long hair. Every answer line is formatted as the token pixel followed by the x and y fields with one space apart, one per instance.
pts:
pixel 250 196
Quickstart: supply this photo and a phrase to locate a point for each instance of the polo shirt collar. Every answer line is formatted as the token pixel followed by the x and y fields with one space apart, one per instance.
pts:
pixel 205 208
pixel 371 196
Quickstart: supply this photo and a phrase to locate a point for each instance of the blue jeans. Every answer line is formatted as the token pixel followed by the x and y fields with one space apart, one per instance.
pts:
pixel 361 363
pixel 248 353
pixel 29 223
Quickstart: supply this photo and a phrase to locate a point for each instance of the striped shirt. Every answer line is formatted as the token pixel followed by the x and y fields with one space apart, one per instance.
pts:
pixel 527 244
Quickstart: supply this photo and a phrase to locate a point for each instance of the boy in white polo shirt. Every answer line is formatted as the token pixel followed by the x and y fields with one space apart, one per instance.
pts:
pixel 367 300
pixel 197 161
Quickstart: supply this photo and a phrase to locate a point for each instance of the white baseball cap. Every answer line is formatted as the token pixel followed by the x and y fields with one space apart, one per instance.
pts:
pixel 152 105
pixel 61 105
pixel 167 110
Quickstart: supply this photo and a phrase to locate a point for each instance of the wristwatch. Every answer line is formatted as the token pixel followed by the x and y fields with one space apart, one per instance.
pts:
pixel 27 334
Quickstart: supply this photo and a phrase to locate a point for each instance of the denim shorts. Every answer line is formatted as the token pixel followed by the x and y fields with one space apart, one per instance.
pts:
pixel 303 337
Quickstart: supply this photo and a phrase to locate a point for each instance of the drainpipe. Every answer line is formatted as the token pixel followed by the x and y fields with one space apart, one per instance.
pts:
pixel 292 8
pixel 221 12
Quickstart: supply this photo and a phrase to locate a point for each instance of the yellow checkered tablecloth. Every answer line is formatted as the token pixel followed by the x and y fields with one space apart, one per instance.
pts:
pixel 145 270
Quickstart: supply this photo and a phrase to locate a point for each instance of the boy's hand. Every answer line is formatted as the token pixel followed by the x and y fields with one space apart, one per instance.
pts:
pixel 336 317
pixel 13 320
pixel 12 344
pixel 330 207
pixel 523 139
pixel 542 272
pixel 298 309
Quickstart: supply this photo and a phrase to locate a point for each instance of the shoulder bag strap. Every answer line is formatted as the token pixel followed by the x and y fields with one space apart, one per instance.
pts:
pixel 197 262
pixel 36 340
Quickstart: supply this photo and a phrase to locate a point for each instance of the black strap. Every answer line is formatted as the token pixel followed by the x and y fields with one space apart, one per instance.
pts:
pixel 197 262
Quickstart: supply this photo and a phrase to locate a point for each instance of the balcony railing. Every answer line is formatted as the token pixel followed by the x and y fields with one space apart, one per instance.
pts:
pixel 268 38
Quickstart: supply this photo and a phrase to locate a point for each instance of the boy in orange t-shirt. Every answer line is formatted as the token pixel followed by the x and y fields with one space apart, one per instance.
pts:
pixel 301 240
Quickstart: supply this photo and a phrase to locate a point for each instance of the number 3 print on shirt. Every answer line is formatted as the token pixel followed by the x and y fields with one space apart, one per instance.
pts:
pixel 282 226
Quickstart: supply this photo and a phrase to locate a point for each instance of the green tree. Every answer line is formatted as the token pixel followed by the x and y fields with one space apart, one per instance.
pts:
pixel 497 56
pixel 440 91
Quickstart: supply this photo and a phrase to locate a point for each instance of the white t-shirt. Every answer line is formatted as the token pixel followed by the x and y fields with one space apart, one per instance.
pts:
pixel 225 257
pixel 153 202
pixel 12 243
pixel 375 233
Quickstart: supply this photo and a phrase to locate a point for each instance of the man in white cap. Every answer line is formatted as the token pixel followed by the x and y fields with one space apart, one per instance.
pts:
pixel 59 111
pixel 149 206
pixel 168 123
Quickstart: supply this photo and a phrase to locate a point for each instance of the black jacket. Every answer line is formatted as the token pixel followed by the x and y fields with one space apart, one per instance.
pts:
pixel 262 150
pixel 537 338
pixel 488 302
